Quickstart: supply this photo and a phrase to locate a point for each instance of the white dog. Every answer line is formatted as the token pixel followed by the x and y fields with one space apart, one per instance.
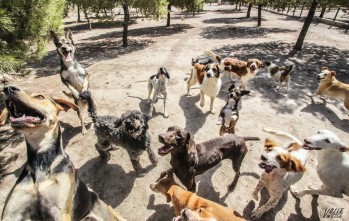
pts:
pixel 159 83
pixel 333 164
pixel 284 166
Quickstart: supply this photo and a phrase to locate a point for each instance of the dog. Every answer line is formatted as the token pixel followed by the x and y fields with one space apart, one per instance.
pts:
pixel 208 76
pixel 183 201
pixel 73 75
pixel 229 114
pixel 237 68
pixel 333 164
pixel 158 82
pixel 280 75
pixel 189 159
pixel 130 131
pixel 331 87
pixel 48 187
pixel 283 167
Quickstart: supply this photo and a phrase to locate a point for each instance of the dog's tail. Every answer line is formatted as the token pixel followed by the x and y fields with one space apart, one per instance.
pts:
pixel 284 134
pixel 251 138
pixel 92 108
pixel 213 56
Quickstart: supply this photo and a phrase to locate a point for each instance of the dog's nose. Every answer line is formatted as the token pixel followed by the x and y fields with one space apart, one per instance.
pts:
pixel 184 214
pixel 263 158
pixel 10 90
pixel 307 141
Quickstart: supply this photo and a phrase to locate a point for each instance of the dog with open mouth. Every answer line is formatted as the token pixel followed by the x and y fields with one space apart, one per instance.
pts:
pixel 73 75
pixel 283 167
pixel 333 164
pixel 48 187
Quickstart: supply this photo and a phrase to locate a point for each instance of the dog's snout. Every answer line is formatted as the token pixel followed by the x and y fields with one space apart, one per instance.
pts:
pixel 10 90
pixel 307 141
pixel 184 214
pixel 263 158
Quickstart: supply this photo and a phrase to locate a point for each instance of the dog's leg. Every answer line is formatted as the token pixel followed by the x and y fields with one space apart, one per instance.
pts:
pixel 320 191
pixel 202 98
pixel 152 157
pixel 134 156
pixel 192 80
pixel 165 101
pixel 272 202
pixel 211 106
pixel 346 103
pixel 256 190
pixel 152 104
pixel 75 93
pixel 236 161
pixel 243 83
pixel 164 173
pixel 150 89
pixel 81 106
pixel 102 147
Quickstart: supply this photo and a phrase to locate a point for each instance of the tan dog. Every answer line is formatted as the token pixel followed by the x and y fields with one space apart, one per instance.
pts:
pixel 182 199
pixel 48 187
pixel 331 87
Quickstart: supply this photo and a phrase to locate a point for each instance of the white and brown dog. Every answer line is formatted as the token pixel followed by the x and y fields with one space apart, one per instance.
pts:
pixel 237 68
pixel 333 164
pixel 331 87
pixel 209 78
pixel 158 82
pixel 280 75
pixel 283 167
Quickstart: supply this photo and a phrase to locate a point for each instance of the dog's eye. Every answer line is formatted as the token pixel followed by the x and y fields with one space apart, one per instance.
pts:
pixel 40 97
pixel 59 44
pixel 327 140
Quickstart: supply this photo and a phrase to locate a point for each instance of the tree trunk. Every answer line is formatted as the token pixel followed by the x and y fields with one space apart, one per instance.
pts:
pixel 323 9
pixel 249 10
pixel 336 14
pixel 259 15
pixel 87 18
pixel 79 18
pixel 300 15
pixel 168 15
pixel 306 26
pixel 125 24
pixel 240 5
pixel 193 7
pixel 288 9
pixel 294 10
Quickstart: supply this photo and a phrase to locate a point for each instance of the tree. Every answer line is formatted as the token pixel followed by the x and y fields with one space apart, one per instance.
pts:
pixel 249 10
pixel 306 26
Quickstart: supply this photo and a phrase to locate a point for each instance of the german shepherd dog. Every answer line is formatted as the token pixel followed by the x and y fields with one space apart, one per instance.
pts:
pixel 73 75
pixel 48 187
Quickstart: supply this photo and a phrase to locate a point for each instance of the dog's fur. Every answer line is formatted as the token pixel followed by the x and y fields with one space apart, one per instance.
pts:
pixel 280 75
pixel 208 76
pixel 333 164
pixel 229 114
pixel 235 67
pixel 189 159
pixel 330 86
pixel 182 199
pixel 73 75
pixel 158 82
pixel 48 187
pixel 284 166
pixel 130 131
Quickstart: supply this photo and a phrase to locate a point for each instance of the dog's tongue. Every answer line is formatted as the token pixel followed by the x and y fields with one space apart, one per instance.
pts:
pixel 68 57
pixel 178 218
pixel 164 150
pixel 27 119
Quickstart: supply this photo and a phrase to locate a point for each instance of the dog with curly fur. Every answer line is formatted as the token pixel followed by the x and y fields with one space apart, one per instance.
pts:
pixel 129 131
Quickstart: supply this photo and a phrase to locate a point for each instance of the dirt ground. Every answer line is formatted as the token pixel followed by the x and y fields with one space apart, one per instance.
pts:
pixel 119 83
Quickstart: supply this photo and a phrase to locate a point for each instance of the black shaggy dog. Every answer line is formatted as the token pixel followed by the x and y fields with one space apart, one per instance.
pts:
pixel 129 131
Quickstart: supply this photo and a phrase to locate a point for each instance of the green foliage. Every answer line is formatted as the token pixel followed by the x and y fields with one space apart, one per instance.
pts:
pixel 188 4
pixel 152 8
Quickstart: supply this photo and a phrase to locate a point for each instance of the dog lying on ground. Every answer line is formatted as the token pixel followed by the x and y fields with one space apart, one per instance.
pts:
pixel 235 67
pixel 330 86
pixel 208 76
pixel 185 202
pixel 229 114
pixel 73 75
pixel 189 159
pixel 159 83
pixel 280 75
pixel 333 164
pixel 129 131
pixel 48 187
pixel 283 167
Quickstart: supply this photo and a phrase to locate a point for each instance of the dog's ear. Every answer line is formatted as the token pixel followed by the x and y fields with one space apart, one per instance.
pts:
pixel 324 68
pixel 69 34
pixel 269 144
pixel 260 64
pixel 231 87
pixel 218 71
pixel 295 165
pixel 4 116
pixel 333 73
pixel 166 73
pixel 64 105
pixel 54 37
pixel 245 92
pixel 249 62
pixel 191 150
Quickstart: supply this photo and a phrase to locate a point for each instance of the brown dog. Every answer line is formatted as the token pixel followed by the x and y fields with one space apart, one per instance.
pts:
pixel 200 207
pixel 189 159
pixel 331 87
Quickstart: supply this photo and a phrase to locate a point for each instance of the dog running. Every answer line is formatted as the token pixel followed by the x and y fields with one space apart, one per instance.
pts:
pixel 280 75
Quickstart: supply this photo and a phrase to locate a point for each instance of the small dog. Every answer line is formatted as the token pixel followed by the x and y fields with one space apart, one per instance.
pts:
pixel 235 67
pixel 229 114
pixel 189 159
pixel 183 200
pixel 130 131
pixel 159 83
pixel 280 75
pixel 48 187
pixel 330 86
pixel 208 76
pixel 73 75
pixel 283 167
pixel 333 164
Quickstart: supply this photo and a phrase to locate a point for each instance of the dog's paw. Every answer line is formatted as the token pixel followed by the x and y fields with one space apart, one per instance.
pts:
pixel 212 111
pixel 295 193
pixel 166 115
pixel 141 174
pixel 256 214
pixel 255 195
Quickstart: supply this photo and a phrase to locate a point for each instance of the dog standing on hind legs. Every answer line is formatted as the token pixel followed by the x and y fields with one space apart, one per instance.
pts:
pixel 48 187
pixel 158 82
pixel 73 75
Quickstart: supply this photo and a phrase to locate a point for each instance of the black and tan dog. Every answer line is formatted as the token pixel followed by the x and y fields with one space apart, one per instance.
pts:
pixel 189 159
pixel 48 187
pixel 73 75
